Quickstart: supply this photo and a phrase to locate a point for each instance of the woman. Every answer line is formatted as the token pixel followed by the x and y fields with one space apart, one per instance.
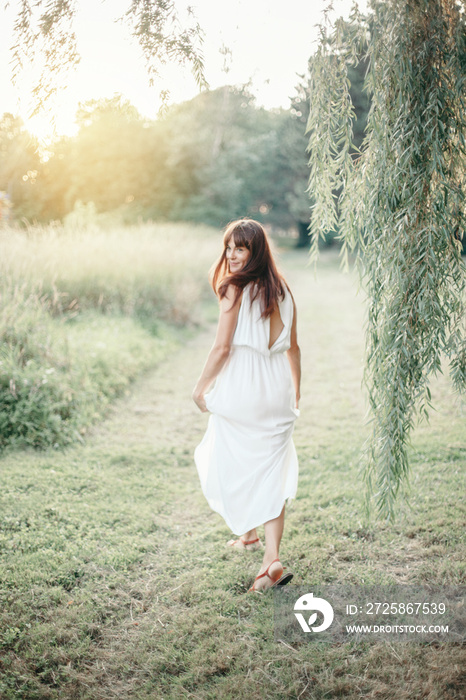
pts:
pixel 247 461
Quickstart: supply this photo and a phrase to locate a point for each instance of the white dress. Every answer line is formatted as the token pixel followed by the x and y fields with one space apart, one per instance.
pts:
pixel 247 461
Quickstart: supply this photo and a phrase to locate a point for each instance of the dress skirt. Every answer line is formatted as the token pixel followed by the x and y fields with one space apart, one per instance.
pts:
pixel 247 461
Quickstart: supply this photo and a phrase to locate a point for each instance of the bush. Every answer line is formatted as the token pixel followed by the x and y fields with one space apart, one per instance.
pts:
pixel 35 399
pixel 58 376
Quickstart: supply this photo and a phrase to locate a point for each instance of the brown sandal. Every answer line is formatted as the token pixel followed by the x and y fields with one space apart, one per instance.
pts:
pixel 280 580
pixel 245 545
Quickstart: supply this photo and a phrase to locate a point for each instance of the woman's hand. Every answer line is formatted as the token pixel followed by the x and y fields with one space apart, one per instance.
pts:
pixel 297 400
pixel 199 401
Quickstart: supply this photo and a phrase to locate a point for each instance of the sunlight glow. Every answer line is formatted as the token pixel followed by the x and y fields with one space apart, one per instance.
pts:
pixel 267 45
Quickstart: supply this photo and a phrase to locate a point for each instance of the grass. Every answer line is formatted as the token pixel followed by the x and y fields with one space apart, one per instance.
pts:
pixel 83 312
pixel 137 270
pixel 115 581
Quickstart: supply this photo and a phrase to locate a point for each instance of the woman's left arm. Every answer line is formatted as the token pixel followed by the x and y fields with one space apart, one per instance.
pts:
pixel 217 357
pixel 294 357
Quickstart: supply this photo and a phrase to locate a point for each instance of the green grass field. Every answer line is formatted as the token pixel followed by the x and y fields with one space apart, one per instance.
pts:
pixel 115 578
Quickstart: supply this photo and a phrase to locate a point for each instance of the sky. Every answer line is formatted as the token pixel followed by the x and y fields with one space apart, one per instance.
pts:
pixel 269 42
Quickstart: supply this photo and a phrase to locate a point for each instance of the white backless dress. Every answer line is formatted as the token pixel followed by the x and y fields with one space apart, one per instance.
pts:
pixel 247 462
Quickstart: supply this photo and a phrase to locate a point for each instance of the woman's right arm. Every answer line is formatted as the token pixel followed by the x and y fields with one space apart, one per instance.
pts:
pixel 294 357
pixel 217 357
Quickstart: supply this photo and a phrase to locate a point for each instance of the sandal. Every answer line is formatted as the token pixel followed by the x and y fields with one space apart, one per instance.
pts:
pixel 280 580
pixel 250 545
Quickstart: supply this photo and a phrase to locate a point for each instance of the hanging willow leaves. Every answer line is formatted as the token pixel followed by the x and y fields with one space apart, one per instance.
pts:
pixel 399 204
pixel 163 37
pixel 44 29
pixel 44 36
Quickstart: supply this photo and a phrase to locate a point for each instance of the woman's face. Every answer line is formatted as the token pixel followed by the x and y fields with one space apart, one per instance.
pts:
pixel 237 256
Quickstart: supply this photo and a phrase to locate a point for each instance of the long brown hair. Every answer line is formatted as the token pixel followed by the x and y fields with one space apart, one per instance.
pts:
pixel 260 268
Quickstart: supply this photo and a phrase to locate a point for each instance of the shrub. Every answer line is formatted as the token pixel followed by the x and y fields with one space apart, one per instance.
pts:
pixel 35 396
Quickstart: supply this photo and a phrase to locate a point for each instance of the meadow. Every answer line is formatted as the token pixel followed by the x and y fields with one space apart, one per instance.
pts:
pixel 115 578
pixel 83 312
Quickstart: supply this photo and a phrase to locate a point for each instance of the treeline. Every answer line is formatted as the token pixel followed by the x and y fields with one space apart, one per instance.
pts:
pixel 207 160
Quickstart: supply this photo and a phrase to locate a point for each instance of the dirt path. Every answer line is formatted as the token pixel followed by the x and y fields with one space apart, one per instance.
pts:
pixel 159 411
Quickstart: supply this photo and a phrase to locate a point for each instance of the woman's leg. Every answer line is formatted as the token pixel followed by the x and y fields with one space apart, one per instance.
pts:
pixel 273 535
pixel 248 537
pixel 273 530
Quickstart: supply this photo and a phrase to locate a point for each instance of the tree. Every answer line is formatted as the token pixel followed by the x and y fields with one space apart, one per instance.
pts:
pixel 295 169
pixel 223 157
pixel 20 167
pixel 117 160
pixel 108 153
pixel 401 206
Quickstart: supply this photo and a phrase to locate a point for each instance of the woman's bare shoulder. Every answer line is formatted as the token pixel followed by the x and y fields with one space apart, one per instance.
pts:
pixel 231 299
pixel 230 292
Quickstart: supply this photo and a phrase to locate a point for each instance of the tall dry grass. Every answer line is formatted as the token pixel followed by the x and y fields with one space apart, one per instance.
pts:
pixel 148 269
